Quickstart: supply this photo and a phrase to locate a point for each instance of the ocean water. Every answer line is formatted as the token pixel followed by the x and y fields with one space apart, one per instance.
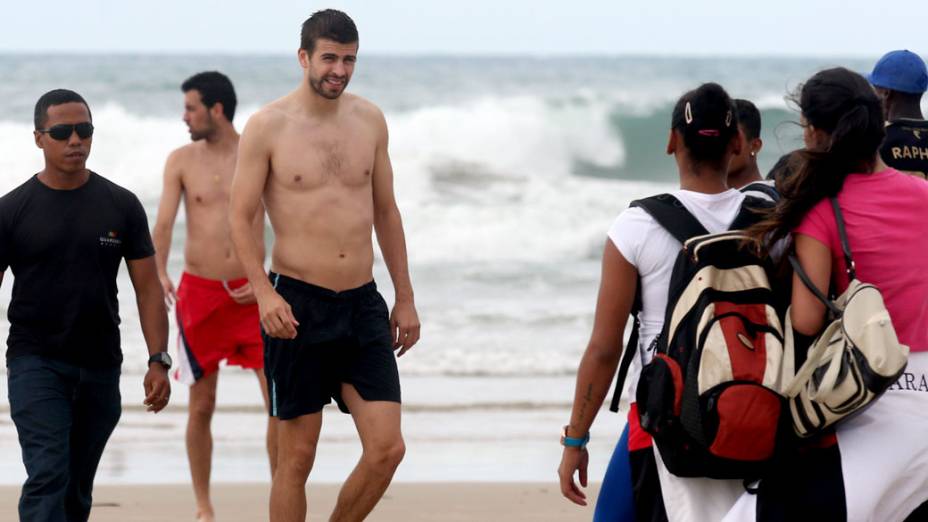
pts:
pixel 509 171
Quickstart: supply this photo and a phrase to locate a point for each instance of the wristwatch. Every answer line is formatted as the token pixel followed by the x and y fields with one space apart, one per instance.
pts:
pixel 574 442
pixel 161 358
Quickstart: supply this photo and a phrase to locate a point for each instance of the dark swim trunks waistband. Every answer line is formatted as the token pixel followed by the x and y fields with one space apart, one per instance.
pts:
pixel 279 280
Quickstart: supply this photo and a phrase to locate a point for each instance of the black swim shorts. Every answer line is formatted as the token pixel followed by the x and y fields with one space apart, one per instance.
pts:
pixel 343 337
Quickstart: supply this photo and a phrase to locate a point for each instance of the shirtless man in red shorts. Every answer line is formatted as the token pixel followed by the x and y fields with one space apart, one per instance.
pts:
pixel 217 315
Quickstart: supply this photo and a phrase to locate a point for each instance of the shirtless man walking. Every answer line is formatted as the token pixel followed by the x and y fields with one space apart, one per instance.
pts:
pixel 318 157
pixel 216 312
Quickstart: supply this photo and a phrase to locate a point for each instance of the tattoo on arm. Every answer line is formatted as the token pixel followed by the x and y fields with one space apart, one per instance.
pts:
pixel 586 401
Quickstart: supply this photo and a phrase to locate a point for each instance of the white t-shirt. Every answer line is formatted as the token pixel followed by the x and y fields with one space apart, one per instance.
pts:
pixel 653 252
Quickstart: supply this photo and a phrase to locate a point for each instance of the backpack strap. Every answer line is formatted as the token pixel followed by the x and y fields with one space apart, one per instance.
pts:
pixel 631 348
pixel 672 216
pixel 749 215
pixel 763 188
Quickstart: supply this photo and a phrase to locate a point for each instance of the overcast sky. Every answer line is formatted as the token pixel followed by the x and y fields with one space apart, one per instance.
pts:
pixel 538 27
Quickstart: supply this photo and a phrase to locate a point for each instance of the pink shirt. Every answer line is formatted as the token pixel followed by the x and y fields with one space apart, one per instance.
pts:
pixel 886 218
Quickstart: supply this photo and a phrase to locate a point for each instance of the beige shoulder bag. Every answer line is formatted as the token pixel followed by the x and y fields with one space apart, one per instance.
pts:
pixel 852 362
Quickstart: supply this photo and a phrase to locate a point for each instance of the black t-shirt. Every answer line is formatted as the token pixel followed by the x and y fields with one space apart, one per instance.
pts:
pixel 906 146
pixel 64 248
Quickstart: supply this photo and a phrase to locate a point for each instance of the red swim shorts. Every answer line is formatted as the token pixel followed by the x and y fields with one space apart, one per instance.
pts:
pixel 213 327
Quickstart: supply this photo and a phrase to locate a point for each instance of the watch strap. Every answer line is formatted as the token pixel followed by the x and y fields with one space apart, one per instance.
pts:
pixel 161 358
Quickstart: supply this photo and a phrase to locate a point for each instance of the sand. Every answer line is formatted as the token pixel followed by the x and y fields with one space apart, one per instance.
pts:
pixel 406 502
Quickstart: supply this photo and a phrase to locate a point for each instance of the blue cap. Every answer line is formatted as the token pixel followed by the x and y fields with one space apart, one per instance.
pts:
pixel 902 71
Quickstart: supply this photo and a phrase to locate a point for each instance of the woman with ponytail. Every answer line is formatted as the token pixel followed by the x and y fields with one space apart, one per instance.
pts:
pixel 875 466
pixel 639 256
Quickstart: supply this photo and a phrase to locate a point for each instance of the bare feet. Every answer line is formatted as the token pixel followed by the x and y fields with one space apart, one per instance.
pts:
pixel 206 516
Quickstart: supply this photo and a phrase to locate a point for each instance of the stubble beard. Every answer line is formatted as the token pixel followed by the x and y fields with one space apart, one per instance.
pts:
pixel 204 133
pixel 201 135
pixel 317 86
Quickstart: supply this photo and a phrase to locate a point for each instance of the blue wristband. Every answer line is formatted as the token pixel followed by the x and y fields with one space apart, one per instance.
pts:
pixel 574 442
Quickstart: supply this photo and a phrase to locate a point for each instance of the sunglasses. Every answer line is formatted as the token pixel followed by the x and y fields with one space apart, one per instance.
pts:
pixel 62 132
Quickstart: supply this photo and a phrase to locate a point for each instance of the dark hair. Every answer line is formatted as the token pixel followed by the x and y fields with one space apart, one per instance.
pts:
pixel 748 118
pixel 707 120
pixel 841 103
pixel 330 24
pixel 784 167
pixel 52 98
pixel 214 87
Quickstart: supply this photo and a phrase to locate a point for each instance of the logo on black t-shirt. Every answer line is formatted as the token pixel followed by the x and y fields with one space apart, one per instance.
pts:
pixel 906 146
pixel 111 238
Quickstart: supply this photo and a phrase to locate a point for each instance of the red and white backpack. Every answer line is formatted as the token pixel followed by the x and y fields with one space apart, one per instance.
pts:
pixel 711 396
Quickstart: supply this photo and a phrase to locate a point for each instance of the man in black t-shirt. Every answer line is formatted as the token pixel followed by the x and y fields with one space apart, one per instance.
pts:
pixel 63 234
pixel 900 78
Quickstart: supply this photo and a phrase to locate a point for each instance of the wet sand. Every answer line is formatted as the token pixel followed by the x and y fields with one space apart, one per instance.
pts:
pixel 404 502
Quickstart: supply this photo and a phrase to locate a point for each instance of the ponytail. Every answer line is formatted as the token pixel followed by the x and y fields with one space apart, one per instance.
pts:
pixel 843 105
pixel 707 119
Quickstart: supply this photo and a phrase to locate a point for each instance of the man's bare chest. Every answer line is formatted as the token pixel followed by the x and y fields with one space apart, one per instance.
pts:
pixel 208 187
pixel 312 162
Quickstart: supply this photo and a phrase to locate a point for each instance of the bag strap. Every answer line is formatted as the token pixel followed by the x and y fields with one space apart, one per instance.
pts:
pixel 764 188
pixel 812 288
pixel 848 262
pixel 749 213
pixel 845 245
pixel 672 216
pixel 628 355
